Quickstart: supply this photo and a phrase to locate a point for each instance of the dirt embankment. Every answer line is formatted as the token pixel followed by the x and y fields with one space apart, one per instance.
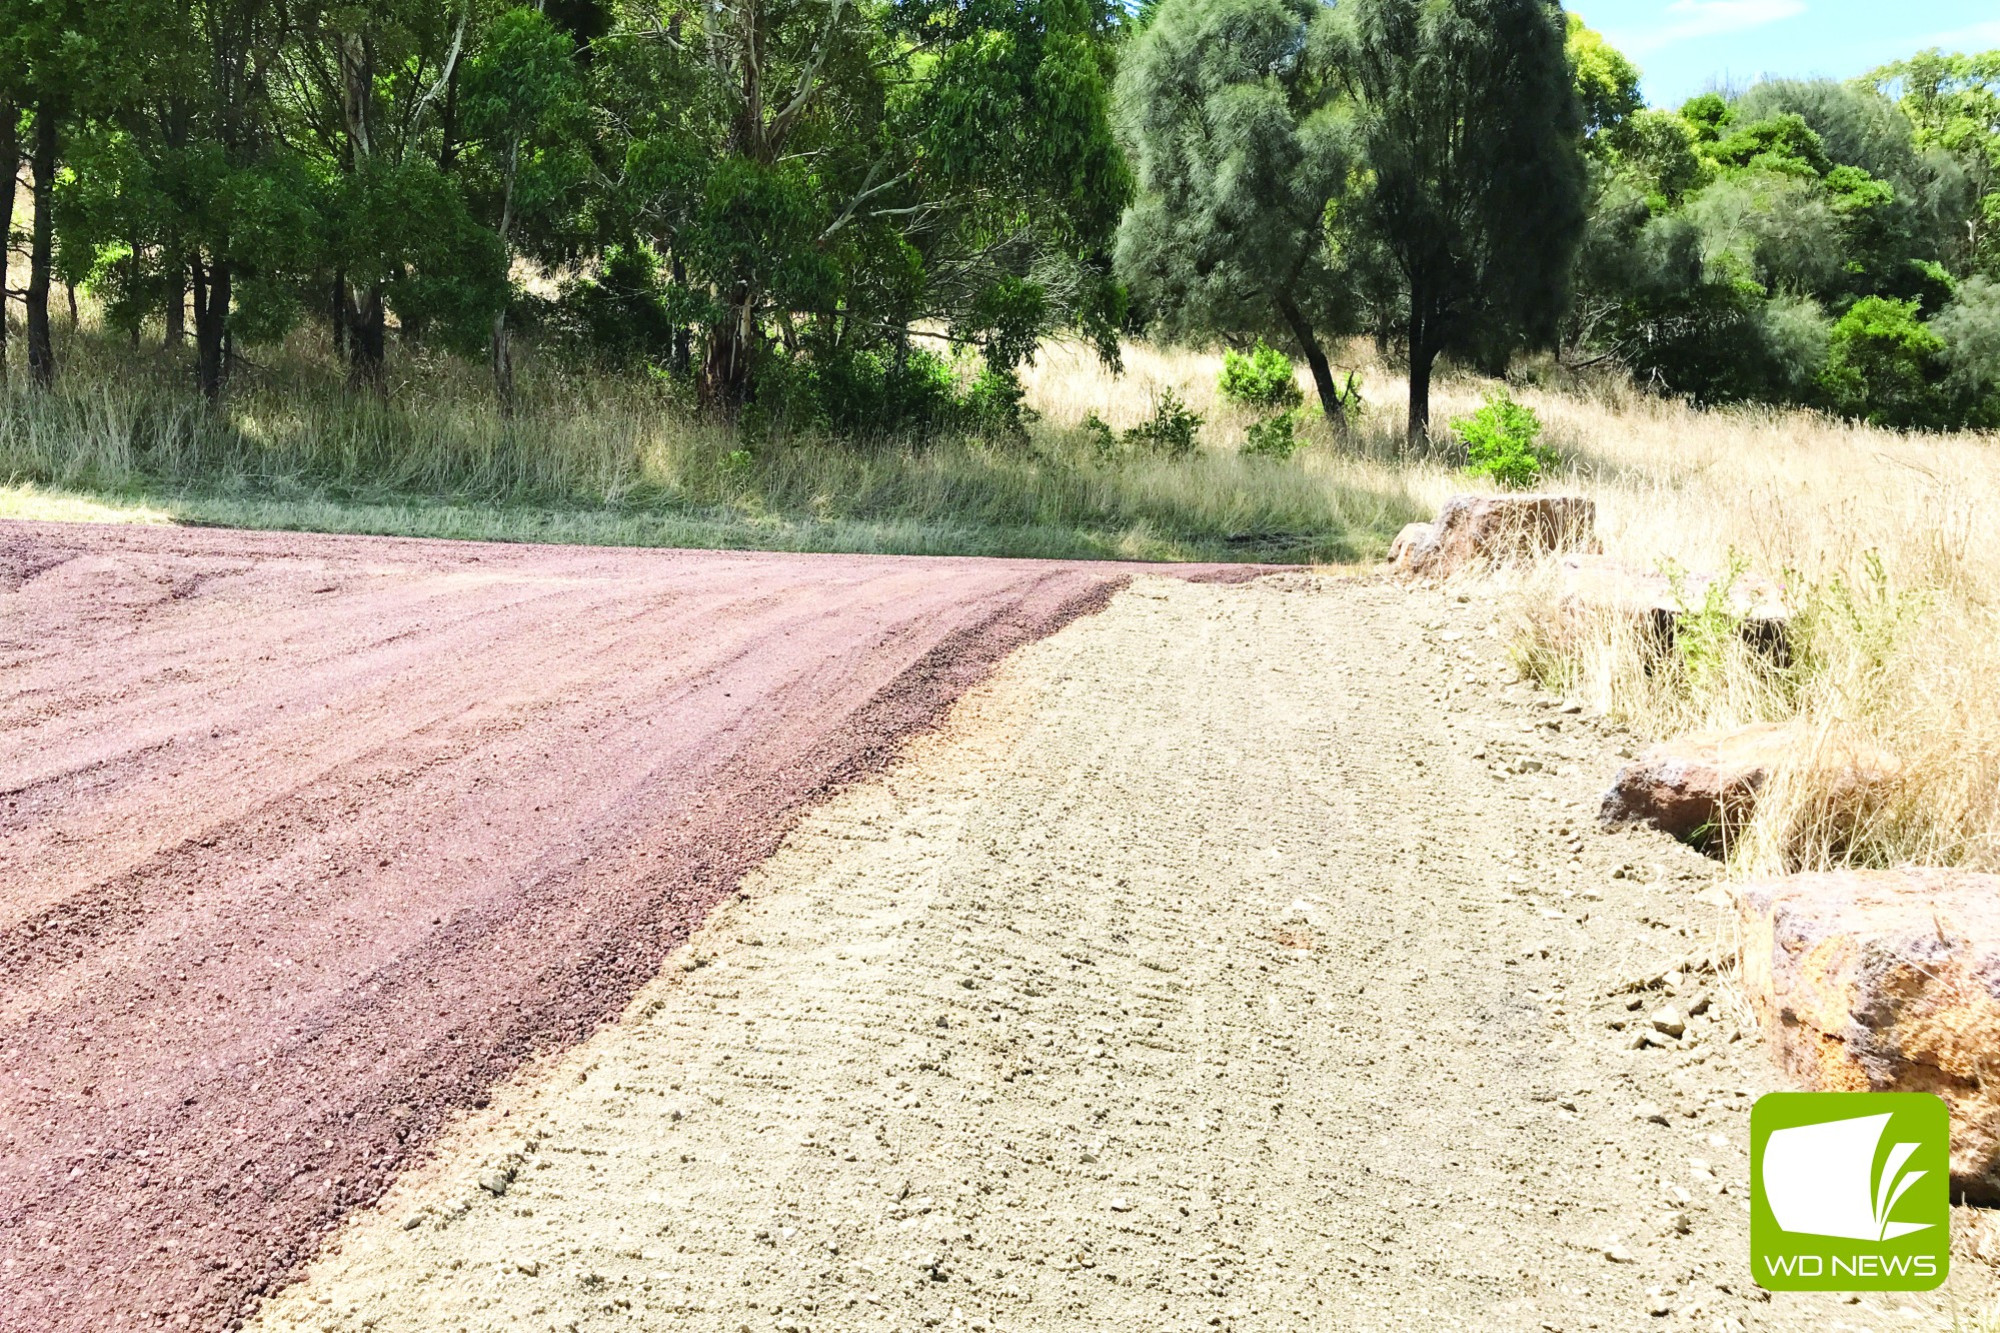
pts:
pixel 306 841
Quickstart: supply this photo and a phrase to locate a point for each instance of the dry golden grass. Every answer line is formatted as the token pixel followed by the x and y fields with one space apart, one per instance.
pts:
pixel 624 459
pixel 1887 545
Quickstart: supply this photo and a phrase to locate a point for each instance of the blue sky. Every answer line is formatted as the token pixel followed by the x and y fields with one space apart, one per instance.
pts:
pixel 1685 46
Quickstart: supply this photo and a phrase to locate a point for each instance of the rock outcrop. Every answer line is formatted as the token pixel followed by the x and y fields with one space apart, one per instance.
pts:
pixel 1591 583
pixel 1494 529
pixel 1704 788
pixel 1887 981
pixel 1701 788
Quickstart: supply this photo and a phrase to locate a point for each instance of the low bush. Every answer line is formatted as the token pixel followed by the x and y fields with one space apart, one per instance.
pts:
pixel 1884 365
pixel 1503 441
pixel 1273 437
pixel 1262 379
pixel 1172 432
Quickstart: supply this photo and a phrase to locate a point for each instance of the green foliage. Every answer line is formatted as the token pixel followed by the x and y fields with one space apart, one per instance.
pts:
pixel 866 394
pixel 1173 431
pixel 1261 379
pixel 1789 243
pixel 1705 632
pixel 1953 101
pixel 1102 441
pixel 1607 84
pixel 1970 329
pixel 1237 138
pixel 1503 441
pixel 1274 437
pixel 1475 187
pixel 624 315
pixel 1884 364
pixel 993 405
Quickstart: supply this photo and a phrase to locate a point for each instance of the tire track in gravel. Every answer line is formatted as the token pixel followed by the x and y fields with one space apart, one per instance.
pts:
pixel 1238 958
pixel 307 841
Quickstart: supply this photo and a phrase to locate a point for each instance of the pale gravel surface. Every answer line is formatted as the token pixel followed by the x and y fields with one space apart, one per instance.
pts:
pixel 1206 971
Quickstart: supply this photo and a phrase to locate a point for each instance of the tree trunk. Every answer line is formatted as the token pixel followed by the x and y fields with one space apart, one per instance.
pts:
pixel 41 252
pixel 10 166
pixel 500 346
pixel 725 371
pixel 176 304
pixel 367 339
pixel 337 314
pixel 502 353
pixel 1331 404
pixel 211 328
pixel 681 346
pixel 1422 358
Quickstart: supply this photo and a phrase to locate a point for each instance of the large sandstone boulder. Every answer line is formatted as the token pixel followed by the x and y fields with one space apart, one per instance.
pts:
pixel 1700 788
pixel 1703 788
pixel 1659 604
pixel 1887 981
pixel 1494 529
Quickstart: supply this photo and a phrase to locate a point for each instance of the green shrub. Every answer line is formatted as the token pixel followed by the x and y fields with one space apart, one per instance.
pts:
pixel 1503 441
pixel 1103 441
pixel 1261 379
pixel 1884 364
pixel 1173 431
pixel 1273 437
pixel 864 395
pixel 992 405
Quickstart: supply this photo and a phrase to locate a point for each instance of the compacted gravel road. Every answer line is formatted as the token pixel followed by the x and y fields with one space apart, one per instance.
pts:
pixel 305 841
pixel 1238 957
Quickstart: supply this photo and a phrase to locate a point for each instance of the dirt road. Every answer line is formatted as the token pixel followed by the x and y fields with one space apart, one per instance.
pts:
pixel 306 841
pixel 1237 958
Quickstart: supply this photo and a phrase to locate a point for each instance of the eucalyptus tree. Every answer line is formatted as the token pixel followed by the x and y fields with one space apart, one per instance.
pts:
pixel 523 106
pixel 1466 119
pixel 61 62
pixel 1240 143
pixel 365 91
pixel 827 179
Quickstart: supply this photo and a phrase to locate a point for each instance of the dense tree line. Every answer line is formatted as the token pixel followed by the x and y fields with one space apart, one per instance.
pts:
pixel 1831 244
pixel 801 205
pixel 747 191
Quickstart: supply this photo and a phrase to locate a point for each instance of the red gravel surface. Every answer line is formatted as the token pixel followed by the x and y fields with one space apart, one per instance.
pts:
pixel 305 841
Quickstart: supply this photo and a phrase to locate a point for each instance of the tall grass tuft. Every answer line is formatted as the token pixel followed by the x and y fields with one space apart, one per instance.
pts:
pixel 1888 547
pixel 623 458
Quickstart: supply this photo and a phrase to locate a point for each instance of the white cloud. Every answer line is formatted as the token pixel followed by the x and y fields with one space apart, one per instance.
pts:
pixel 1971 37
pixel 1688 19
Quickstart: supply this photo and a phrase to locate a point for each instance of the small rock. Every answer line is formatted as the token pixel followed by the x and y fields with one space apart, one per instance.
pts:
pixel 1669 1021
pixel 495 1182
pixel 1618 1254
pixel 1300 912
pixel 530 1267
pixel 1121 1205
pixel 1650 1113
